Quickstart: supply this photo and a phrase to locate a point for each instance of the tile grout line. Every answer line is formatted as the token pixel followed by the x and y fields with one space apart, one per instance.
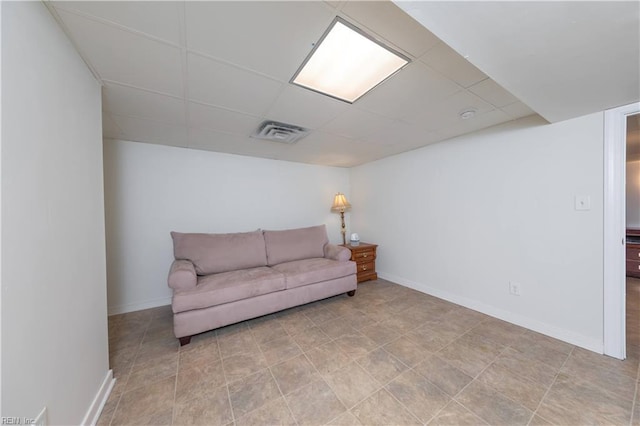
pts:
pixel 555 378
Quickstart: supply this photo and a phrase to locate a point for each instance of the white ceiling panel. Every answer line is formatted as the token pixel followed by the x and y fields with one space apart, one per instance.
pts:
pixel 150 131
pixel 447 112
pixel 305 108
pixel 448 62
pixel 157 18
pixel 491 92
pixel 391 23
pixel 355 124
pixel 125 100
pixel 563 59
pixel 273 38
pixel 205 74
pixel 219 84
pixel 125 57
pixel 221 119
pixel 211 140
pixel 412 87
pixel 517 110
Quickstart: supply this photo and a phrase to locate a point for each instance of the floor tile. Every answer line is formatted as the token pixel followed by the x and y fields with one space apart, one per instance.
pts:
pixel 442 374
pixel 242 365
pixel 528 368
pixel 240 342
pixel 420 396
pixel 517 388
pixel 325 404
pixel 252 392
pixel 406 351
pixel 194 378
pixel 492 406
pixel 153 371
pixel 471 354
pixel 145 404
pixel 573 400
pixel 210 408
pixel 379 333
pixel 311 338
pixel 273 413
pixel 356 345
pixel 381 365
pixel 328 357
pixel 345 419
pixel 383 409
pixel 280 349
pixel 352 384
pixel 294 374
pixel 455 414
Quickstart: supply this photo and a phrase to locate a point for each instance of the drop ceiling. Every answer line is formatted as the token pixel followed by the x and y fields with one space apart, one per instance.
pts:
pixel 204 75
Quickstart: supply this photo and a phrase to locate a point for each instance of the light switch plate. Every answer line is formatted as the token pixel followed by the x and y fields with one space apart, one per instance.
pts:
pixel 583 202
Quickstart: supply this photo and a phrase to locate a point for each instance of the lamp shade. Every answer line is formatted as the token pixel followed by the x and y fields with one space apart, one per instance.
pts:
pixel 340 203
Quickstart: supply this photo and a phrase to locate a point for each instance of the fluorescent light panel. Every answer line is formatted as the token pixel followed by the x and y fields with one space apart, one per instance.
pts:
pixel 346 64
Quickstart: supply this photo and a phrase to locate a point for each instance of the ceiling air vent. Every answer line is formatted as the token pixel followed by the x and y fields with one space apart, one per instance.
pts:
pixel 280 132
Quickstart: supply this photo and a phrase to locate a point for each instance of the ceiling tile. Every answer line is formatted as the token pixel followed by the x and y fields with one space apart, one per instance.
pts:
pixel 305 108
pixel 410 88
pixel 124 57
pixel 156 18
pixel 331 150
pixel 143 130
pixel 446 113
pixel 211 140
pixel 391 23
pixel 273 38
pixel 493 93
pixel 447 61
pixel 221 119
pixel 400 134
pixel 517 110
pixel 219 84
pixel 355 124
pixel 479 122
pixel 125 100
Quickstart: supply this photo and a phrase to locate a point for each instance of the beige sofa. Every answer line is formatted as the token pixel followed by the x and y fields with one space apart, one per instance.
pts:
pixel 221 279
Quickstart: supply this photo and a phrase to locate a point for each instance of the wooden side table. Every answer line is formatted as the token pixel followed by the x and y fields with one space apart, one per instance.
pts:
pixel 364 255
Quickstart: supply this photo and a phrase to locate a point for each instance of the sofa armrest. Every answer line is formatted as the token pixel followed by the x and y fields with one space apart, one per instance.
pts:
pixel 182 275
pixel 332 251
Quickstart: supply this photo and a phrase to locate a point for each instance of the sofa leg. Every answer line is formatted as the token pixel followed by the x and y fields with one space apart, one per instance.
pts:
pixel 351 293
pixel 184 340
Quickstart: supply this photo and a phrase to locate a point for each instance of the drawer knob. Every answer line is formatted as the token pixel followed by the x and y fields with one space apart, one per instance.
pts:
pixel 364 268
pixel 365 255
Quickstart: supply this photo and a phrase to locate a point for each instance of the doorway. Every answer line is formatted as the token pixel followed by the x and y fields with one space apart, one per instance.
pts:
pixel 614 327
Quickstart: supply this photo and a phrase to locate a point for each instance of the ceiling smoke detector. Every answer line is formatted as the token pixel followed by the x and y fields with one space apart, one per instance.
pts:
pixel 279 132
pixel 468 113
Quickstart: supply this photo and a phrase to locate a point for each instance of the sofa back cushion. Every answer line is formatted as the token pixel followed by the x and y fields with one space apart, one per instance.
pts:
pixel 214 253
pixel 295 244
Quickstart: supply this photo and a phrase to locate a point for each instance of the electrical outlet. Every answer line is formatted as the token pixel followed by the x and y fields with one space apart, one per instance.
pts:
pixel 514 288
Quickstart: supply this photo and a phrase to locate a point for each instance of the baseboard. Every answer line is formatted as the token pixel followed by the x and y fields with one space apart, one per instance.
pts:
pixel 526 322
pixel 95 409
pixel 131 307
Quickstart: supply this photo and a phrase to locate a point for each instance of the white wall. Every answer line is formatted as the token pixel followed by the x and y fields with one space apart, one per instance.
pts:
pixel 54 318
pixel 151 190
pixel 463 218
pixel 633 194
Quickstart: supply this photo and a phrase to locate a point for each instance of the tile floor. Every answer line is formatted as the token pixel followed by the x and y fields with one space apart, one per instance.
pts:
pixel 388 356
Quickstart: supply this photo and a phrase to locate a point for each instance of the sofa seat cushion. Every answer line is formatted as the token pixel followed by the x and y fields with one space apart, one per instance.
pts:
pixel 225 287
pixel 309 271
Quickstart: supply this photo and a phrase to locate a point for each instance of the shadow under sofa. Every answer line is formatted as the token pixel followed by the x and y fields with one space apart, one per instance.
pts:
pixel 222 279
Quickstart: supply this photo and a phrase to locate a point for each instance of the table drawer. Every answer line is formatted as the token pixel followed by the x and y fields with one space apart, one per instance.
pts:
pixel 633 253
pixel 366 266
pixel 633 268
pixel 364 255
